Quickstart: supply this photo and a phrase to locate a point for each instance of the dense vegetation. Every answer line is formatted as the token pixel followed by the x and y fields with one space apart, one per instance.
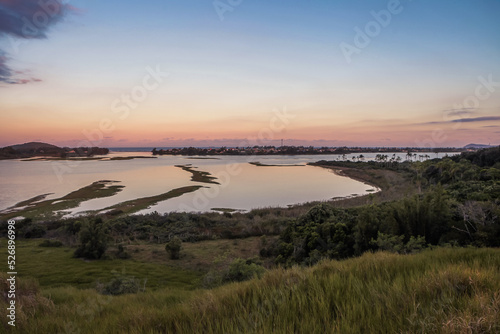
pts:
pixel 458 203
pixel 482 158
pixel 446 203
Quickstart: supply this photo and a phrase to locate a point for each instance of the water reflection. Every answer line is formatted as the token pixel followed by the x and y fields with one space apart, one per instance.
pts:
pixel 257 187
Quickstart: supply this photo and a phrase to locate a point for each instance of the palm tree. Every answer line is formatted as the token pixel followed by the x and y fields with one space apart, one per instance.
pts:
pixel 409 155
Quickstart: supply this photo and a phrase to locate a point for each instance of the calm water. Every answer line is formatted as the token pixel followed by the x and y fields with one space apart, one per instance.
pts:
pixel 243 186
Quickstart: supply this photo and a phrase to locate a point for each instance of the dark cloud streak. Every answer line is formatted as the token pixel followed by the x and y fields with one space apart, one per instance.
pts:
pixel 27 19
pixel 477 119
pixel 466 120
pixel 460 112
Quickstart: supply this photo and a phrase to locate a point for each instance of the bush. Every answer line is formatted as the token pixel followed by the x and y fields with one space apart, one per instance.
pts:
pixel 174 248
pixel 72 227
pixel 119 286
pixel 389 243
pixel 212 279
pixel 50 243
pixel 34 231
pixel 93 240
pixel 242 270
pixel 415 245
pixel 395 244
pixel 238 270
pixel 122 253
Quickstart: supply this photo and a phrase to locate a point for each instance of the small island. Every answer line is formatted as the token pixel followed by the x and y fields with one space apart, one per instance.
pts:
pixel 38 149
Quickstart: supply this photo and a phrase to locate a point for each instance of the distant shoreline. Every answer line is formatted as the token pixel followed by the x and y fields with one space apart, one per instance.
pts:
pixel 297 150
pixel 39 149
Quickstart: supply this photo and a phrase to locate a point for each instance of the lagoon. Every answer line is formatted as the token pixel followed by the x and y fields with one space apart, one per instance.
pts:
pixel 242 186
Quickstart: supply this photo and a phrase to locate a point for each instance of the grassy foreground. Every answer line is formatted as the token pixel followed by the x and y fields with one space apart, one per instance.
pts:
pixel 445 290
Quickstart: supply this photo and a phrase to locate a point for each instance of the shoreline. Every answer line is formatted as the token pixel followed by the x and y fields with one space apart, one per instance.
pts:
pixel 386 184
pixel 390 183
pixel 347 172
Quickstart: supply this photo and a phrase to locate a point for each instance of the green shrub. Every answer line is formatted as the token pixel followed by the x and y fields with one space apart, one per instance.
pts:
pixel 174 248
pixel 120 285
pixel 242 270
pixel 50 243
pixel 395 244
pixel 33 231
pixel 93 240
pixel 122 253
pixel 415 245
pixel 237 271
pixel 390 243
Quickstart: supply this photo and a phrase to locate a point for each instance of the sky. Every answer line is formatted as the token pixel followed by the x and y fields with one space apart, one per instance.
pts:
pixel 167 73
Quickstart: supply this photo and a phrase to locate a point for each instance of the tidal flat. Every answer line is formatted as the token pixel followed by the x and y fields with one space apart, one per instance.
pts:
pixel 226 182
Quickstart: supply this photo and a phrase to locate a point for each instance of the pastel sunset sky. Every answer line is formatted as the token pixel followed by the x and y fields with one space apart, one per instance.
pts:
pixel 212 73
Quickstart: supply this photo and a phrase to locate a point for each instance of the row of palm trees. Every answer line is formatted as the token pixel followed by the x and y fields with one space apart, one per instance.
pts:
pixel 421 157
pixel 385 158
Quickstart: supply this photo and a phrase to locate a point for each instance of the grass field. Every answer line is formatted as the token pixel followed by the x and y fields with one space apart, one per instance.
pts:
pixel 199 256
pixel 445 290
pixel 56 266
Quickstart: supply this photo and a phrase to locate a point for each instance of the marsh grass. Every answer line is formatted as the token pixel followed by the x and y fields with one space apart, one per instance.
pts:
pixel 197 175
pixel 36 209
pixel 138 204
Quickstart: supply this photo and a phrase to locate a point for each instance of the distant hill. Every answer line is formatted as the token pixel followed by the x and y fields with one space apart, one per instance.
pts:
pixel 33 149
pixel 34 146
pixel 476 146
